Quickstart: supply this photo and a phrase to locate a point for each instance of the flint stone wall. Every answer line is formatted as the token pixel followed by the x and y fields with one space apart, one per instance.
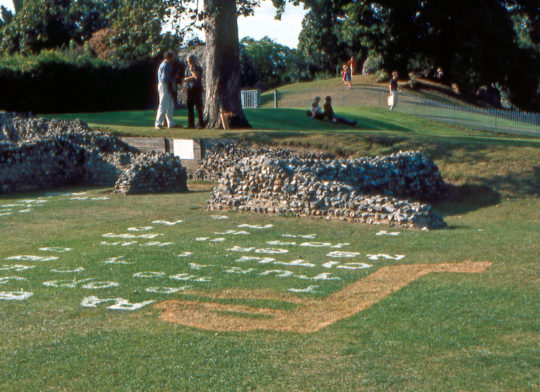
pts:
pixel 39 154
pixel 369 190
pixel 153 173
pixel 219 157
pixel 15 128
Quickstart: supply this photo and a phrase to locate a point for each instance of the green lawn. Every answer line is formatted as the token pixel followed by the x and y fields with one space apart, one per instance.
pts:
pixel 441 332
pixel 444 331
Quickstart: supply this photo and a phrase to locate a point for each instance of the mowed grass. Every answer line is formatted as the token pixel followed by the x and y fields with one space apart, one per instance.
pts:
pixel 442 332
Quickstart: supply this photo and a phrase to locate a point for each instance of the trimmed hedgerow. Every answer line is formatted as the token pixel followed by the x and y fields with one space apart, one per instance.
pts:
pixel 52 82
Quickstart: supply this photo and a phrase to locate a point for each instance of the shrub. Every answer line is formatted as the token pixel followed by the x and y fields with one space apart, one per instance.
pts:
pixel 372 65
pixel 54 82
pixel 382 76
pixel 98 43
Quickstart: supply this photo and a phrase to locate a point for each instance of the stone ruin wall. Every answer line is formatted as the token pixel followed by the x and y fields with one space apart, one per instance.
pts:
pixel 49 164
pixel 41 154
pixel 220 156
pixel 153 173
pixel 390 190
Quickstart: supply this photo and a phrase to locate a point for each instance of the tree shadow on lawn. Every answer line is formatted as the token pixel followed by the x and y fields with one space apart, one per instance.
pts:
pixel 139 118
pixel 473 147
pixel 296 119
pixel 524 184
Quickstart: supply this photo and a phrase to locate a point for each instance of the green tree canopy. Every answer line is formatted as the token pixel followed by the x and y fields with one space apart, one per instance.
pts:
pixel 137 30
pixel 6 16
pixel 476 42
pixel 47 24
pixel 270 63
pixel 132 29
pixel 18 5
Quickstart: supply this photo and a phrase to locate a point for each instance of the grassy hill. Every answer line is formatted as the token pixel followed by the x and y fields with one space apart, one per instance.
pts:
pixel 301 94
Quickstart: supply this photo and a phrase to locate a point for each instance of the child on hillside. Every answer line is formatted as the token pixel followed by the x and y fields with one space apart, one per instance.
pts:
pixel 347 76
pixel 316 111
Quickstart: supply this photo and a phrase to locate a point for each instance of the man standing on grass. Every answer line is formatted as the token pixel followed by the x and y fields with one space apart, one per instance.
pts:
pixel 166 92
pixel 393 87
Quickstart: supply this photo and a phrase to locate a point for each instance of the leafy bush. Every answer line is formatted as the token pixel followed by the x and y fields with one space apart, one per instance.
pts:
pixel 382 76
pixel 372 65
pixel 54 82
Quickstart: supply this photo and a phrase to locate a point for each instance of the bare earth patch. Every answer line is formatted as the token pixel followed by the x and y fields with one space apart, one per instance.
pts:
pixel 311 315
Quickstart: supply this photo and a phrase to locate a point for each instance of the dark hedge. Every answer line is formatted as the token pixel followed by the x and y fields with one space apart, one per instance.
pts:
pixel 57 84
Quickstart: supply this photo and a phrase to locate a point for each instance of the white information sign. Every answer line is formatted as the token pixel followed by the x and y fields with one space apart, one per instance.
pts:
pixel 184 148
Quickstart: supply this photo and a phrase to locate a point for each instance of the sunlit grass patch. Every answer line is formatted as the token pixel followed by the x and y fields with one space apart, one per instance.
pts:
pixel 406 341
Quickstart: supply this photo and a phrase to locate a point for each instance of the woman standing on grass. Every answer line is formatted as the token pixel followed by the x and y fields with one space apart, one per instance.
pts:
pixel 194 92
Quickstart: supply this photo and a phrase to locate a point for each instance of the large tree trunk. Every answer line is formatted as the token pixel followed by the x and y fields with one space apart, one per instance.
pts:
pixel 222 90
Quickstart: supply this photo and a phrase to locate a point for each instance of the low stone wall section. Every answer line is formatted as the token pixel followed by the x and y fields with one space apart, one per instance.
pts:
pixel 153 173
pixel 369 190
pixel 219 157
pixel 38 154
pixel 21 129
pixel 405 174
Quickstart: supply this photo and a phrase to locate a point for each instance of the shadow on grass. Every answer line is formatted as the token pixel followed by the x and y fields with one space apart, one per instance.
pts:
pixel 488 191
pixel 296 119
pixel 267 99
pixel 472 149
pixel 124 118
pixel 266 137
pixel 526 184
pixel 466 198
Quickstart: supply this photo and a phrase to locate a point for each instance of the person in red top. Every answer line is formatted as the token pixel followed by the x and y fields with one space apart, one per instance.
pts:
pixel 352 65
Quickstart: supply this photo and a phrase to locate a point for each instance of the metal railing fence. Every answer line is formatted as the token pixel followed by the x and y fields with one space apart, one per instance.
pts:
pixel 467 116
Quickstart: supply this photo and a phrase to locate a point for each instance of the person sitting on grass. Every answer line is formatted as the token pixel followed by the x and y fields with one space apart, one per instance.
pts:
pixel 329 112
pixel 316 111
